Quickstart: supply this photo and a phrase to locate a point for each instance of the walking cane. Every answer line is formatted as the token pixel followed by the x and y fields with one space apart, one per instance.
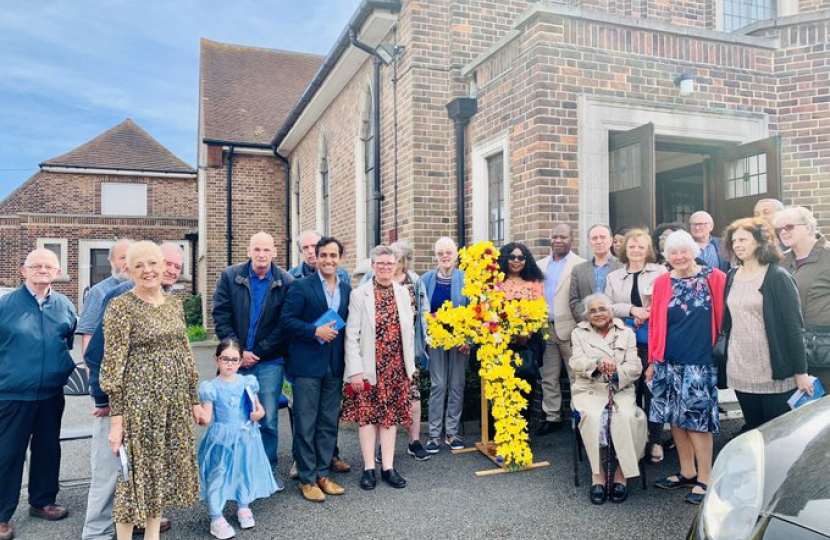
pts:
pixel 610 453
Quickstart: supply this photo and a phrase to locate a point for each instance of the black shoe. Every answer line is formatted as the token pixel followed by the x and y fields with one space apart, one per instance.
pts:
pixel 368 481
pixel 416 450
pixel 547 427
pixel 597 494
pixel 619 493
pixel 392 478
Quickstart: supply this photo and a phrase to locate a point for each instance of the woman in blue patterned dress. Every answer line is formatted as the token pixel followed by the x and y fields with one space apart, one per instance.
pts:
pixel 686 312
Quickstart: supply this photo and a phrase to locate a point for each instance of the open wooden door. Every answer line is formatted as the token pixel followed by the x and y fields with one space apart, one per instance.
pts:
pixel 631 177
pixel 742 176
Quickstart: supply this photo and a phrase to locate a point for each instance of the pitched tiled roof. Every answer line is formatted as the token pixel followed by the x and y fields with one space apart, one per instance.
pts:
pixel 124 147
pixel 248 92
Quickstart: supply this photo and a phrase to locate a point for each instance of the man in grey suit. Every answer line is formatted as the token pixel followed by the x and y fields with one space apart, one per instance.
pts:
pixel 589 277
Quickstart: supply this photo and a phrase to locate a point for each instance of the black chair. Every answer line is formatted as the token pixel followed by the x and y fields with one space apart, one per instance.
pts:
pixel 77 385
pixel 579 452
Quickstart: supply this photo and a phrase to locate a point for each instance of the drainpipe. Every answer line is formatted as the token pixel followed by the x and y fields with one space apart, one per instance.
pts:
pixel 287 170
pixel 229 231
pixel 460 110
pixel 377 63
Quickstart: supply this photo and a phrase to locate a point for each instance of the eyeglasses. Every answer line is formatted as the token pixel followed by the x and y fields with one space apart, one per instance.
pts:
pixel 385 264
pixel 520 258
pixel 597 311
pixel 788 227
pixel 697 225
pixel 230 360
pixel 39 267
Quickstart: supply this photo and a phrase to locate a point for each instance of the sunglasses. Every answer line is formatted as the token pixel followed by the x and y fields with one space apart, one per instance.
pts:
pixel 788 227
pixel 520 258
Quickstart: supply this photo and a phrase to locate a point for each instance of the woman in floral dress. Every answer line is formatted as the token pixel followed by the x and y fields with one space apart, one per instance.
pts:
pixel 379 365
pixel 149 373
pixel 686 313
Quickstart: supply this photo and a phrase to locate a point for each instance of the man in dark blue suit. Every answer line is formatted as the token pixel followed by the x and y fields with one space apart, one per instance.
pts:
pixel 317 367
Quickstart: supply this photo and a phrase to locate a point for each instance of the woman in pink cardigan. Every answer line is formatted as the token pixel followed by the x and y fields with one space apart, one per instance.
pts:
pixel 686 312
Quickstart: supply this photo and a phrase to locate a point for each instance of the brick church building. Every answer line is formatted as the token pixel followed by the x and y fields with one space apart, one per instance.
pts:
pixel 492 120
pixel 121 184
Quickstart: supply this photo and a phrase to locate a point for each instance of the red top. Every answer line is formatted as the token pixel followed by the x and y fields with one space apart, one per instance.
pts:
pixel 658 321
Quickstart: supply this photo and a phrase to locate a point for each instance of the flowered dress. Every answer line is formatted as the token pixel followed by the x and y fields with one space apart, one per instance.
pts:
pixel 149 373
pixel 415 383
pixel 232 460
pixel 684 388
pixel 387 403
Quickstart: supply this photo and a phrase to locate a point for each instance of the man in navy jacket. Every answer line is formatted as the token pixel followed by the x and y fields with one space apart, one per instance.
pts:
pixel 36 330
pixel 316 361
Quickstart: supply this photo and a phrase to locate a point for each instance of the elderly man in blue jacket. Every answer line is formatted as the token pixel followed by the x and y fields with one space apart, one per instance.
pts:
pixel 36 329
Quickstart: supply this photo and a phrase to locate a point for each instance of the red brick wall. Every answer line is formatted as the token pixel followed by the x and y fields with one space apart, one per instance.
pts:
pixel 258 205
pixel 64 193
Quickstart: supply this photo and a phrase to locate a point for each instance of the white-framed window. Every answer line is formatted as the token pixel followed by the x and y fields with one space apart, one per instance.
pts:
pixel 119 199
pixel 364 177
pixel 736 14
pixel 491 191
pixel 323 189
pixel 60 247
pixel 187 267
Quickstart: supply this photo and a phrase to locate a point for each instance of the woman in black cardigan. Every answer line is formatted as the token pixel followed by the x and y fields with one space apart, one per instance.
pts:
pixel 766 361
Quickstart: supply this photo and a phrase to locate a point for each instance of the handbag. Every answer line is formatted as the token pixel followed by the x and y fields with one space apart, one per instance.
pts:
pixel 529 368
pixel 817 346
pixel 719 353
pixel 640 332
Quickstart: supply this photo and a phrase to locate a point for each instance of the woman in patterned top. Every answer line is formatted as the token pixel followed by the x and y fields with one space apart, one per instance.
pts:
pixel 380 351
pixel 686 311
pixel 149 373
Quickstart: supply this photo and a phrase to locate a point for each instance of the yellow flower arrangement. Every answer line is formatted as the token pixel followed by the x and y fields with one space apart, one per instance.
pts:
pixel 490 323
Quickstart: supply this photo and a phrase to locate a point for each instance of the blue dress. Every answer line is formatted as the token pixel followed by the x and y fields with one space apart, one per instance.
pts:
pixel 232 460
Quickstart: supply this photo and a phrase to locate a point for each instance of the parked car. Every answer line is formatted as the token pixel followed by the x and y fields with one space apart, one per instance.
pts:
pixel 772 483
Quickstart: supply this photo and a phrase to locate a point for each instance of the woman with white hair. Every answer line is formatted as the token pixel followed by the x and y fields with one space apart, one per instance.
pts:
pixel 686 313
pixel 808 260
pixel 605 352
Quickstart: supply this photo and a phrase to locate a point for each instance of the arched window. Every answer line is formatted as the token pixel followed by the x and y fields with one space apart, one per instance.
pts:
pixel 368 135
pixel 324 210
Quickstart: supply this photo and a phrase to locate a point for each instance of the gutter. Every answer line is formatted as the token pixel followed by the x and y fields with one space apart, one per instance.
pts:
pixel 343 42
pixel 79 169
pixel 236 144
pixel 287 169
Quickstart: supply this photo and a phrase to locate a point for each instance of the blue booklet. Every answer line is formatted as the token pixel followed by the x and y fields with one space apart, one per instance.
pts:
pixel 248 406
pixel 799 398
pixel 327 317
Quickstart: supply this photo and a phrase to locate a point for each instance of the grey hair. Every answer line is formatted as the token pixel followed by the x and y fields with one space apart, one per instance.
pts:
pixel 778 205
pixel 309 231
pixel 128 241
pixel 380 250
pixel 401 250
pixel 597 297
pixel 603 225
pixel 42 251
pixel 679 239
pixel 174 246
pixel 797 213
pixel 445 240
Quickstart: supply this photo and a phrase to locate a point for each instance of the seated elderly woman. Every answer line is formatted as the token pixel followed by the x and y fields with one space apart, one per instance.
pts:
pixel 605 350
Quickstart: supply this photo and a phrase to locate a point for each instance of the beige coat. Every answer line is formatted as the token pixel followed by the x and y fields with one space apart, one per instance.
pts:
pixel 589 393
pixel 563 321
pixel 360 332
pixel 619 283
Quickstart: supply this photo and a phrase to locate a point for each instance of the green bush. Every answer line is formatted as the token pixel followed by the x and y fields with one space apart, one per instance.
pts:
pixel 193 310
pixel 196 332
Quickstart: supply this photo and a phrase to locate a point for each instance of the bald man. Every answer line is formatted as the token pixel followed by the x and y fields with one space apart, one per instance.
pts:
pixel 247 306
pixel 36 332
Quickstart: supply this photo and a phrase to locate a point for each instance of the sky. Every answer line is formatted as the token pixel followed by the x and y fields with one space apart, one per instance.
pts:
pixel 70 70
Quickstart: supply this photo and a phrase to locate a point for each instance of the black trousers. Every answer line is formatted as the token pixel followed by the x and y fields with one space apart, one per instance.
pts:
pixel 316 417
pixel 655 429
pixel 761 408
pixel 20 422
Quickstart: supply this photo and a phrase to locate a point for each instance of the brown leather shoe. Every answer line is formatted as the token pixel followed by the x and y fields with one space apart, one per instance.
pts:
pixel 6 531
pixel 329 487
pixel 312 493
pixel 53 512
pixel 338 465
pixel 294 473
pixel 165 526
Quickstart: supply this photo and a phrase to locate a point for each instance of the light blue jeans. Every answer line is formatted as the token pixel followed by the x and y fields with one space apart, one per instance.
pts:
pixel 270 376
pixel 105 470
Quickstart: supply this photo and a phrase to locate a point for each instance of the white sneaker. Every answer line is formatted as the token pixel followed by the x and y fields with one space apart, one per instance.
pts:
pixel 221 529
pixel 246 518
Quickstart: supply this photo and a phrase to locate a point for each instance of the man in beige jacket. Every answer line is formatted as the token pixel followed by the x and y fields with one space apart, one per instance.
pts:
pixel 557 269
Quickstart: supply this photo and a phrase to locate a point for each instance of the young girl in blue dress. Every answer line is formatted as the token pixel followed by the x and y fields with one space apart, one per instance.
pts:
pixel 232 460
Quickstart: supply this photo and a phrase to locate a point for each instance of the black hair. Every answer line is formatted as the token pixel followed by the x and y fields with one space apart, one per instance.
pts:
pixel 531 271
pixel 225 344
pixel 326 240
